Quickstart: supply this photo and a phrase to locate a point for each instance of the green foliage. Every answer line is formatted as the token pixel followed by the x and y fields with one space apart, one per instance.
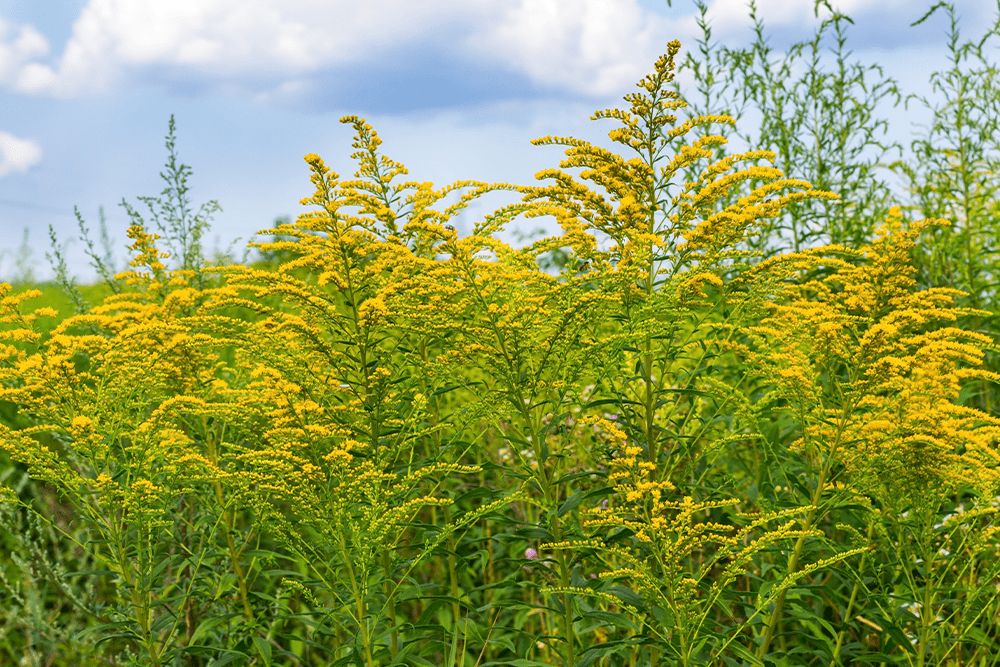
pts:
pixel 954 174
pixel 721 418
pixel 822 125
pixel 181 228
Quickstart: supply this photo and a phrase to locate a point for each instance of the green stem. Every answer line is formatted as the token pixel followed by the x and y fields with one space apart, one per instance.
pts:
pixel 388 587
pixel 927 604
pixel 456 609
pixel 359 609
pixel 793 566
pixel 229 522
pixel 850 603
pixel 139 602
pixel 567 610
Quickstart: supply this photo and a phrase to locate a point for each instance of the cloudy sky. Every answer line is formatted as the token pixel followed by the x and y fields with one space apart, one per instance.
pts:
pixel 456 89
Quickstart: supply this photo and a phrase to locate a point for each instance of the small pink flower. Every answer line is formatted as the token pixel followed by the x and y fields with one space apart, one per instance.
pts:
pixel 530 554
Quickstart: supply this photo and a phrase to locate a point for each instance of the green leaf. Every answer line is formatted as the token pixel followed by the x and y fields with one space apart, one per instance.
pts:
pixel 571 503
pixel 264 649
pixel 611 618
pixel 742 651
pixel 230 656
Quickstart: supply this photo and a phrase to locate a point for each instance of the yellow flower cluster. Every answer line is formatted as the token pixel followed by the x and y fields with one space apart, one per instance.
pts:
pixel 876 368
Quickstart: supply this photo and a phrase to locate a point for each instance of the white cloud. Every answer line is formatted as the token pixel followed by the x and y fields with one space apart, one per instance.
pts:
pixel 280 50
pixel 17 154
pixel 220 39
pixel 589 46
pixel 18 47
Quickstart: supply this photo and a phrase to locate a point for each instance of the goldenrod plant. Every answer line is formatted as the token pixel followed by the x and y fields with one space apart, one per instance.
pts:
pixel 872 368
pixel 655 437
pixel 953 175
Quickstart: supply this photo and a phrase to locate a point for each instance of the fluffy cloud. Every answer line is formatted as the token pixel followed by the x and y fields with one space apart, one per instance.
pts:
pixel 585 46
pixel 17 154
pixel 588 46
pixel 19 45
pixel 298 50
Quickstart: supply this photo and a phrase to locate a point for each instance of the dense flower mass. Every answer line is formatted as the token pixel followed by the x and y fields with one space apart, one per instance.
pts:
pixel 637 442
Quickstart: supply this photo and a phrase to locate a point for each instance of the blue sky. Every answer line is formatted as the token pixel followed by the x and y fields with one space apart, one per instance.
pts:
pixel 455 89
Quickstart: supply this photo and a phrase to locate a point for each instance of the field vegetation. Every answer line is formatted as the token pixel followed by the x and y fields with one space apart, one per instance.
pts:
pixel 740 410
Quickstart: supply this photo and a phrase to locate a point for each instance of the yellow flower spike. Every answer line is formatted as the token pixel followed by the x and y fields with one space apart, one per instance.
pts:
pixel 81 424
